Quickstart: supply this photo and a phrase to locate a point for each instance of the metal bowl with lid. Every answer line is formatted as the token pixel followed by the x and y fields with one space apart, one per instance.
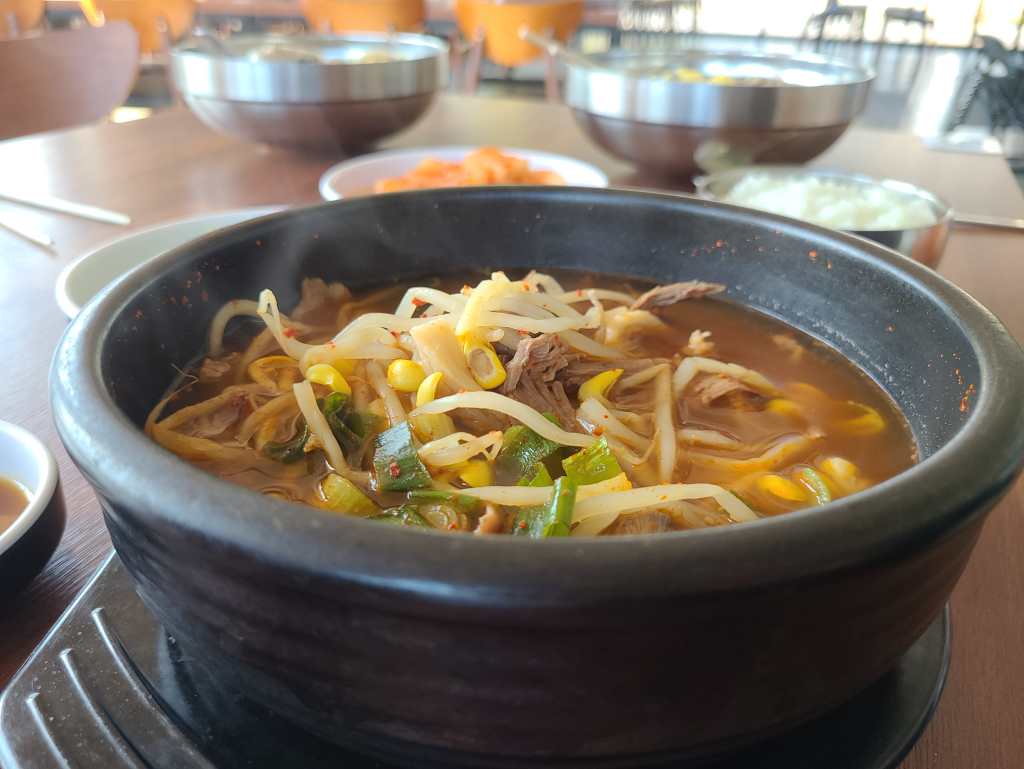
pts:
pixel 924 244
pixel 777 109
pixel 310 92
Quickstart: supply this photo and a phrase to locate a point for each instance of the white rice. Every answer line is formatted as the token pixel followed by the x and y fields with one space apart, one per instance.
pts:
pixel 831 203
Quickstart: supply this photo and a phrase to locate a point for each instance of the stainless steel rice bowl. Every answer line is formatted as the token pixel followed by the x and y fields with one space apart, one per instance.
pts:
pixel 923 244
pixel 310 92
pixel 797 108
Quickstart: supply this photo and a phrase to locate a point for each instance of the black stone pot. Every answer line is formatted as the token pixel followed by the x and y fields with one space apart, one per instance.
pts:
pixel 441 650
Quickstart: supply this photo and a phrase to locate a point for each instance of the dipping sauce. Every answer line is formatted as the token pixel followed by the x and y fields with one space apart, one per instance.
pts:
pixel 14 498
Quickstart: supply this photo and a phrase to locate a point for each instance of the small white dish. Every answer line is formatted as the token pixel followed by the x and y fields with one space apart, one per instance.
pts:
pixel 27 544
pixel 357 176
pixel 96 269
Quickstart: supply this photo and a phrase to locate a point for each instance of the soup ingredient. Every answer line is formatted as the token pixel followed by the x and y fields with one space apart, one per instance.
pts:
pixel 693 75
pixel 406 376
pixel 612 412
pixel 396 462
pixel 344 496
pixel 837 204
pixel 593 464
pixel 552 519
pixel 14 498
pixel 406 515
pixel 485 166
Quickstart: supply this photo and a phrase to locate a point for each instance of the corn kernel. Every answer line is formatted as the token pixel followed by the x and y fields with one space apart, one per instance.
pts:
pixel 329 376
pixel 427 390
pixel 405 375
pixel 781 487
pixel 264 370
pixel 476 473
pixel 346 367
pixel 785 407
pixel 598 386
pixel 484 364
pixel 870 422
pixel 430 427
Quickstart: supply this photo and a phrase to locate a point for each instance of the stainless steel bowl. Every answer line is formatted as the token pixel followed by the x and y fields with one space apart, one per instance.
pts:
pixel 923 244
pixel 677 127
pixel 310 92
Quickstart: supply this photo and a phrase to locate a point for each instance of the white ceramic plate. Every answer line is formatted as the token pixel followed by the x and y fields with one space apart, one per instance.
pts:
pixel 356 176
pixel 96 269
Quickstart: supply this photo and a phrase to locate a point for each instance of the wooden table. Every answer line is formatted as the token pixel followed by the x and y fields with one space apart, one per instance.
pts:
pixel 169 166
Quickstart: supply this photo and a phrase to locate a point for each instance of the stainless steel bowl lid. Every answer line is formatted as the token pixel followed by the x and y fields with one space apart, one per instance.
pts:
pixel 815 91
pixel 717 186
pixel 310 69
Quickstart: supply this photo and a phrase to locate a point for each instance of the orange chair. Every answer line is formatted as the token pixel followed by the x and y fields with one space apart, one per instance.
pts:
pixel 364 15
pixel 494 30
pixel 18 16
pixel 65 78
pixel 145 16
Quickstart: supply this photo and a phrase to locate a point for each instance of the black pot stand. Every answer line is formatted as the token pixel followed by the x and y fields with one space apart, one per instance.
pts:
pixel 109 689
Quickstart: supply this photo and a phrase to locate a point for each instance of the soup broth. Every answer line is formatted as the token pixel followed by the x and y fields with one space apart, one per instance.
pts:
pixel 13 501
pixel 664 408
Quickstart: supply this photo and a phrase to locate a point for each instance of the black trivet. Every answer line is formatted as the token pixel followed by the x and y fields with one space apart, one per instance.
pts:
pixel 109 689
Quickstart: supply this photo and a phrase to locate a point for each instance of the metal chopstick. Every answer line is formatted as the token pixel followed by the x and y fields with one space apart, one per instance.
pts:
pixel 9 223
pixel 992 222
pixel 68 207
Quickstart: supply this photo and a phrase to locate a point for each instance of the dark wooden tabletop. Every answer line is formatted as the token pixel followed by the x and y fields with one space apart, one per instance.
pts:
pixel 169 165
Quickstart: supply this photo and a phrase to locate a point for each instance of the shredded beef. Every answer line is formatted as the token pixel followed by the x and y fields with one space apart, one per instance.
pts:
pixel 530 377
pixel 723 390
pixel 491 522
pixel 479 421
pixel 645 522
pixel 578 372
pixel 663 296
pixel 315 295
pixel 542 356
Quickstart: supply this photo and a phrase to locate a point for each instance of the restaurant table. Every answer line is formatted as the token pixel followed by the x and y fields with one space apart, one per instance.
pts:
pixel 170 165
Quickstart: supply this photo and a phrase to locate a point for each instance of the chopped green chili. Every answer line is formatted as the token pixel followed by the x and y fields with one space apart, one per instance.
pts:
pixel 293 450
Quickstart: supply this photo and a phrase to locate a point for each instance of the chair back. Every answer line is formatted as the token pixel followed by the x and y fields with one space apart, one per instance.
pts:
pixel 25 15
pixel 994 51
pixel 364 15
pixel 61 79
pixel 145 16
pixel 500 23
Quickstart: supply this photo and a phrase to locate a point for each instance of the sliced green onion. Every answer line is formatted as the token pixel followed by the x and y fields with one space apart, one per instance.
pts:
pixel 464 502
pixel 406 515
pixel 396 463
pixel 521 449
pixel 812 479
pixel 537 476
pixel 343 496
pixel 553 518
pixel 593 464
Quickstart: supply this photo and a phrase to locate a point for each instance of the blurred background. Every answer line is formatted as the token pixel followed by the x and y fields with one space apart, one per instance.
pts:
pixel 946 69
